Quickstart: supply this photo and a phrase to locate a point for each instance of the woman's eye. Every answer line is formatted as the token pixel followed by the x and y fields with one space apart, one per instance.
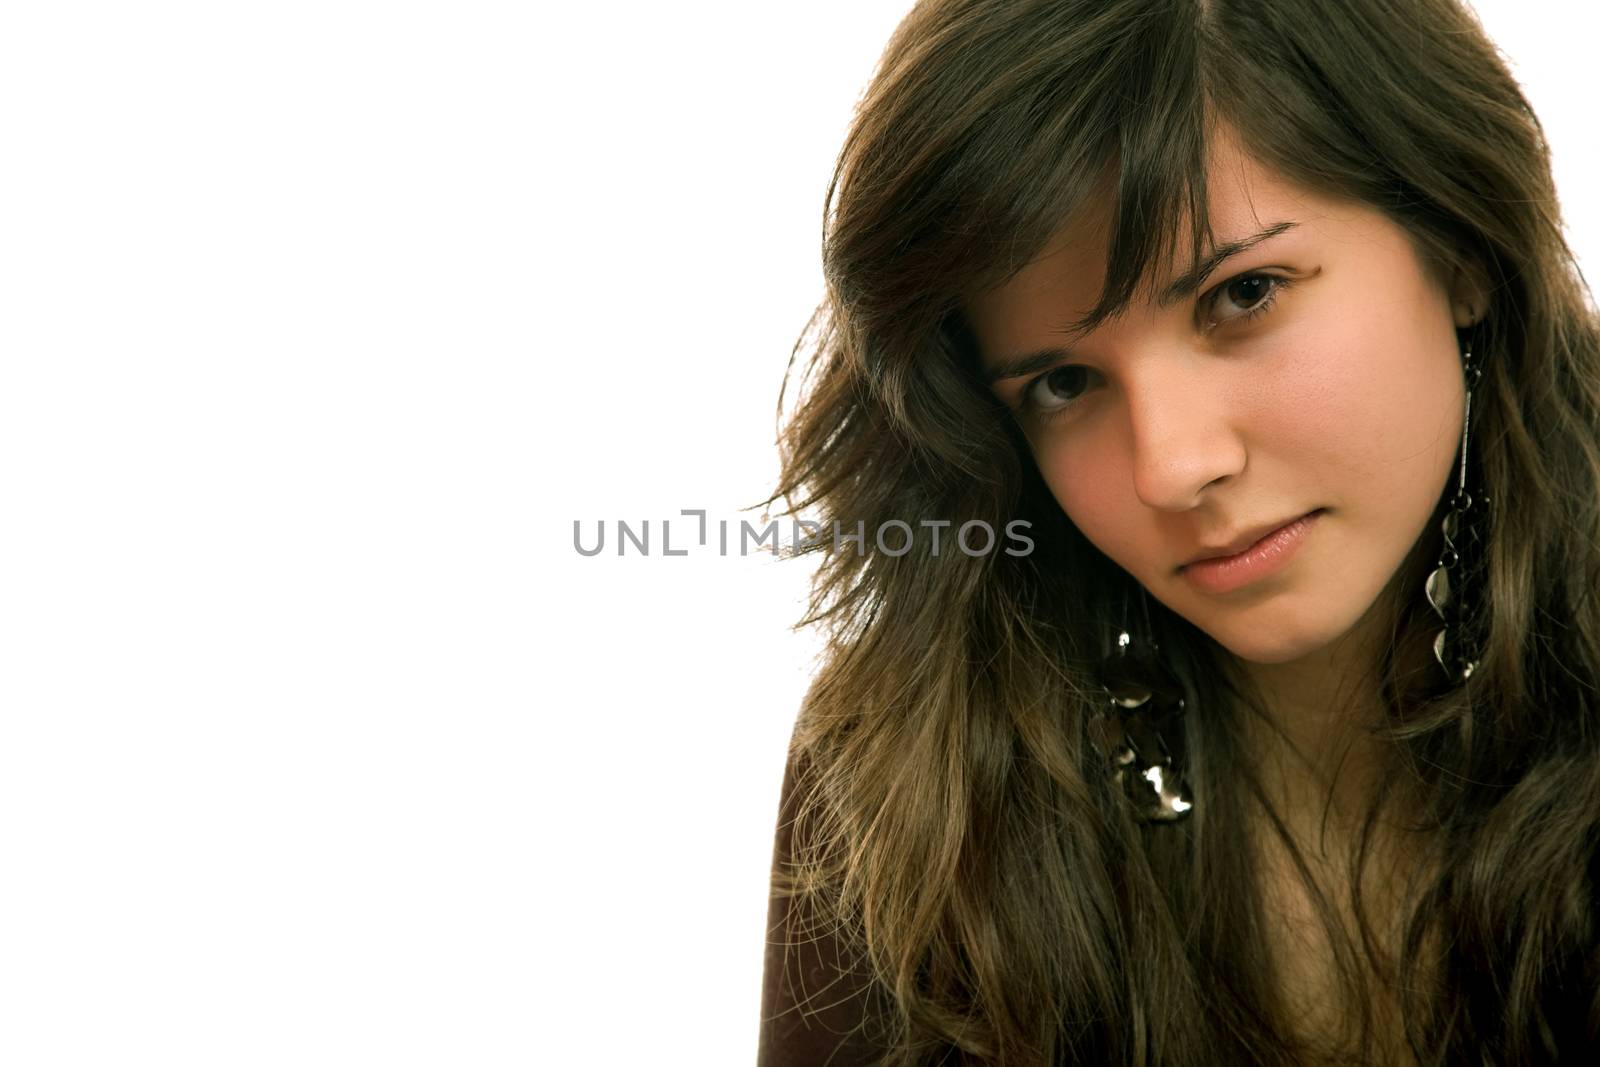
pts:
pixel 1056 389
pixel 1244 296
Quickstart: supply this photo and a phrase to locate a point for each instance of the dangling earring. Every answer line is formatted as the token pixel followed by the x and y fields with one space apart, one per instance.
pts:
pixel 1140 732
pixel 1465 529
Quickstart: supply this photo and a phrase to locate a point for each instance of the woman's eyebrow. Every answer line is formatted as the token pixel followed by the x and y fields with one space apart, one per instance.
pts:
pixel 1031 363
pixel 1196 276
pixel 1025 366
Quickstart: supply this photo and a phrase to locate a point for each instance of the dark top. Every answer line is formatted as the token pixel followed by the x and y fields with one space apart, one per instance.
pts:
pixel 818 1005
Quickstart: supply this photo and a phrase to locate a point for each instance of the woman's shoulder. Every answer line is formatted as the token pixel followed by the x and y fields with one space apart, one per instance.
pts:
pixel 819 1003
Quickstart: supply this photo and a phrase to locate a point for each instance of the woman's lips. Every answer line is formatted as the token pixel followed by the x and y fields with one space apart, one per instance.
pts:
pixel 1266 556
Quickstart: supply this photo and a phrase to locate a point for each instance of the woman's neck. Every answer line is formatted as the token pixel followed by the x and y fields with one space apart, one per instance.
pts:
pixel 1314 750
pixel 1321 769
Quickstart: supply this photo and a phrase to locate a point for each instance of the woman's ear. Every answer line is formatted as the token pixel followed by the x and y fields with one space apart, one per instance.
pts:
pixel 1469 293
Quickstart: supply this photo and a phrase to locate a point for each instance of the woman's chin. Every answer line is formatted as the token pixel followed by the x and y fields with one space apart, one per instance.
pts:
pixel 1284 645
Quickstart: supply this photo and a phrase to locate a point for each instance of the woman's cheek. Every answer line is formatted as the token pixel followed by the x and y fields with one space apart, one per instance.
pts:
pixel 1315 407
pixel 1093 489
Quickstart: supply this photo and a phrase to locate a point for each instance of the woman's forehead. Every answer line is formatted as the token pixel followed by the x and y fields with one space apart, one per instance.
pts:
pixel 1246 201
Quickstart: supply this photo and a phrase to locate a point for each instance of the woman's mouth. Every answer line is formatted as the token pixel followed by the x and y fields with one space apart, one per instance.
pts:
pixel 1265 556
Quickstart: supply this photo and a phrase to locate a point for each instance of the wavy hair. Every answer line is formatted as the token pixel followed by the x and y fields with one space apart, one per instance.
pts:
pixel 954 829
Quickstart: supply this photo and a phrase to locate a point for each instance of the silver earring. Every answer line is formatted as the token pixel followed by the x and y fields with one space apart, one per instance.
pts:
pixel 1140 730
pixel 1465 530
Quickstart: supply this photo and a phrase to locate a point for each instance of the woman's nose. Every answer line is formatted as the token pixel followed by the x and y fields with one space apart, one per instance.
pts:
pixel 1183 436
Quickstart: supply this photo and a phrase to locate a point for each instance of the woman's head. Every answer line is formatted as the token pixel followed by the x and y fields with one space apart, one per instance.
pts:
pixel 1033 174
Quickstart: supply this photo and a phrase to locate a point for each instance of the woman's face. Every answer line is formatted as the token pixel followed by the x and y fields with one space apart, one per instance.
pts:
pixel 1314 370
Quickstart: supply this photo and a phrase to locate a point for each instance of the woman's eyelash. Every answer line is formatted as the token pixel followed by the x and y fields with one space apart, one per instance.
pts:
pixel 1275 285
pixel 1031 408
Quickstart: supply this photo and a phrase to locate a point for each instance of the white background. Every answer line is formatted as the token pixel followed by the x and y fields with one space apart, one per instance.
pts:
pixel 322 323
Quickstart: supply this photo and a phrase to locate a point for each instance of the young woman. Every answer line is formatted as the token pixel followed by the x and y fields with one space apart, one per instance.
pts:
pixel 1278 742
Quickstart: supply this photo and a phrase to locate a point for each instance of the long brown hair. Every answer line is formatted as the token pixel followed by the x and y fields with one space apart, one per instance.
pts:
pixel 957 828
